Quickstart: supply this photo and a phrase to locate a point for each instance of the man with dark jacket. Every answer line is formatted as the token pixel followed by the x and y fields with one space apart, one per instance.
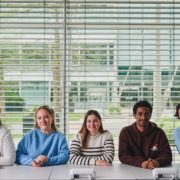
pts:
pixel 143 144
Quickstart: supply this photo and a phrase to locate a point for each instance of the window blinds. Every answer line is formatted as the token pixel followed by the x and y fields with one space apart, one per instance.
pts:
pixel 76 55
pixel 121 52
pixel 31 61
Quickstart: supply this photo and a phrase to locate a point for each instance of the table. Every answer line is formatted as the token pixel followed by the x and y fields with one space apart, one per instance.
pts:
pixel 61 172
pixel 114 172
pixel 21 172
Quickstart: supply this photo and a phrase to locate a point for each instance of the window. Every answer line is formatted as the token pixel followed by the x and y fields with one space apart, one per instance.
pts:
pixel 89 54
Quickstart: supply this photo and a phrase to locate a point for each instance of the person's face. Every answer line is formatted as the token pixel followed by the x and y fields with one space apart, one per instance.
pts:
pixel 93 124
pixel 142 116
pixel 44 120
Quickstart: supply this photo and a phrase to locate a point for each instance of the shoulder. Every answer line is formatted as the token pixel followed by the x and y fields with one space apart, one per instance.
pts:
pixel 157 130
pixel 58 134
pixel 4 131
pixel 177 132
pixel 127 128
pixel 107 135
pixel 77 138
pixel 31 133
pixel 155 127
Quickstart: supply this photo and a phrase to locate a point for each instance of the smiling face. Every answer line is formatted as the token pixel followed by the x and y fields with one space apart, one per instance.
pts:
pixel 93 124
pixel 44 120
pixel 142 117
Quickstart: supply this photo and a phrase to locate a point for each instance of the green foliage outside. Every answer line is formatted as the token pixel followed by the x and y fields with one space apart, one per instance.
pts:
pixel 168 125
pixel 13 101
pixel 114 108
pixel 75 116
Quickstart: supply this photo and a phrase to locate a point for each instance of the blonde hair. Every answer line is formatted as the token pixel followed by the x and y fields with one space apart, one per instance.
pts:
pixel 50 111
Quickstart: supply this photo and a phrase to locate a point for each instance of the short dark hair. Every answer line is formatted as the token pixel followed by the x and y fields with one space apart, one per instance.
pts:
pixel 142 103
pixel 177 111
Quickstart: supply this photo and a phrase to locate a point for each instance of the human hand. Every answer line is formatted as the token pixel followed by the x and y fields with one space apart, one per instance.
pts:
pixel 102 163
pixel 150 164
pixel 144 164
pixel 153 164
pixel 39 161
pixel 35 164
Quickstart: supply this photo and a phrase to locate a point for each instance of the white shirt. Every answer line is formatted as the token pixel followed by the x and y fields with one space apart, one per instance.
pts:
pixel 7 148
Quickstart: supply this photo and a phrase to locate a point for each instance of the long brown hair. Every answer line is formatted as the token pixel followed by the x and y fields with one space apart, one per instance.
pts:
pixel 84 131
pixel 50 111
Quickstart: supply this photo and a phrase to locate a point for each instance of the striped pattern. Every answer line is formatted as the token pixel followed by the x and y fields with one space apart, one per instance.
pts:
pixel 100 147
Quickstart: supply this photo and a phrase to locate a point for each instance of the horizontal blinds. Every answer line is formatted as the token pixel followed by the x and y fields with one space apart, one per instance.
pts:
pixel 121 52
pixel 89 54
pixel 31 48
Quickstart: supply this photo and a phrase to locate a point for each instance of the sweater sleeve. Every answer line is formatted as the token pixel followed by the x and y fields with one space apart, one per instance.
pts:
pixel 62 156
pixel 75 153
pixel 108 149
pixel 177 138
pixel 165 154
pixel 8 150
pixel 125 155
pixel 22 156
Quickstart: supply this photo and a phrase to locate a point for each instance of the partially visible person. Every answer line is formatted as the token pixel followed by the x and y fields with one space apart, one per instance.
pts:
pixel 44 145
pixel 143 144
pixel 177 130
pixel 177 113
pixel 7 148
pixel 92 145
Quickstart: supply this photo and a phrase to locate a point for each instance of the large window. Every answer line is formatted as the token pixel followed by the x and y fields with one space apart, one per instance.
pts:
pixel 89 54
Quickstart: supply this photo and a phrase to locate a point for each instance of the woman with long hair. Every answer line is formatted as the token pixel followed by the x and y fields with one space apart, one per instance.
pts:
pixel 44 145
pixel 92 145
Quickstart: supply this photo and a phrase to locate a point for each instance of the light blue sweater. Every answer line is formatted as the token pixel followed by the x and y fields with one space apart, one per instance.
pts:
pixel 177 138
pixel 35 143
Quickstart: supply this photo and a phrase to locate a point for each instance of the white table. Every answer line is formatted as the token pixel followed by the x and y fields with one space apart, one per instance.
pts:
pixel 61 172
pixel 19 172
pixel 114 172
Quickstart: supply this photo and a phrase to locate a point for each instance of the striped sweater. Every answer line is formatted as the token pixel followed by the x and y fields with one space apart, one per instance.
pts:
pixel 99 147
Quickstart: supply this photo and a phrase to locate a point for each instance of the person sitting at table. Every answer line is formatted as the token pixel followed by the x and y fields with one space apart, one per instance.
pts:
pixel 177 113
pixel 44 145
pixel 177 130
pixel 143 144
pixel 92 145
pixel 7 148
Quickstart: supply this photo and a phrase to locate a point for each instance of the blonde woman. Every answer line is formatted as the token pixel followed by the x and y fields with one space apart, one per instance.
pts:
pixel 44 145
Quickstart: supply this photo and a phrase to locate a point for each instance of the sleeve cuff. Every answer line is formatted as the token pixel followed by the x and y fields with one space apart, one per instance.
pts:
pixel 92 162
